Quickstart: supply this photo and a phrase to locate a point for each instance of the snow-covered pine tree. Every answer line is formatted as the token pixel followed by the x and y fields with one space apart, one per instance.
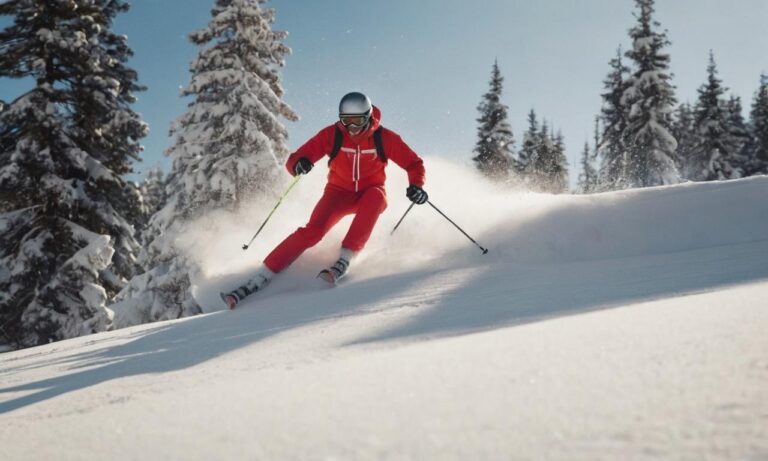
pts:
pixel 649 100
pixel 596 149
pixel 151 197
pixel 614 116
pixel 536 171
pixel 153 190
pixel 65 243
pixel 592 159
pixel 229 148
pixel 136 210
pixel 738 135
pixel 230 143
pixel 684 131
pixel 538 148
pixel 758 125
pixel 558 171
pixel 529 147
pixel 588 177
pixel 712 157
pixel 495 139
pixel 547 169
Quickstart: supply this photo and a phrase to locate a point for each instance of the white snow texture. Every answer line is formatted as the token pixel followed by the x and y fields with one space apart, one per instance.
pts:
pixel 624 325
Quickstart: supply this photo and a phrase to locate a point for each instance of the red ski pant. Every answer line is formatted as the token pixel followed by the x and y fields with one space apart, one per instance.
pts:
pixel 335 203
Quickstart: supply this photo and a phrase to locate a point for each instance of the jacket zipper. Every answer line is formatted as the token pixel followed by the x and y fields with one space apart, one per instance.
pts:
pixel 356 168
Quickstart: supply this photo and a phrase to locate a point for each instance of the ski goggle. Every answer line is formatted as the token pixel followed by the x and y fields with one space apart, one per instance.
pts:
pixel 353 120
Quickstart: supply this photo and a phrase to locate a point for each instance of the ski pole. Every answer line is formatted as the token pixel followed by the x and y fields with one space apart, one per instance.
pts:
pixel 401 219
pixel 293 183
pixel 485 250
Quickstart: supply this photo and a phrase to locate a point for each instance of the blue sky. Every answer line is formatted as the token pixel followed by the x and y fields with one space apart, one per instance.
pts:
pixel 426 63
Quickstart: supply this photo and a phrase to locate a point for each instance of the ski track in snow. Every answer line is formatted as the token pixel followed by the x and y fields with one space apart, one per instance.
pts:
pixel 628 325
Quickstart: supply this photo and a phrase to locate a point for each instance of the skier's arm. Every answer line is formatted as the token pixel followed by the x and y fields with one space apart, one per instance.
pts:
pixel 405 158
pixel 313 150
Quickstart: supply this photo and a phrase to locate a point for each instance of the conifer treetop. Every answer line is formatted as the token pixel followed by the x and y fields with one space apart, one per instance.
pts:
pixel 495 143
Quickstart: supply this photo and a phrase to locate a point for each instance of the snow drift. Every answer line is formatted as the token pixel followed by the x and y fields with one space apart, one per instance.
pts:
pixel 625 325
pixel 517 226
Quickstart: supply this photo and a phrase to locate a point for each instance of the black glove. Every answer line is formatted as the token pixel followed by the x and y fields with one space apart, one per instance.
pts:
pixel 416 194
pixel 302 166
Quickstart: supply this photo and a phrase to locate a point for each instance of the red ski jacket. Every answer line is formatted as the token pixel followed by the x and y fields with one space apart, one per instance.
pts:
pixel 357 166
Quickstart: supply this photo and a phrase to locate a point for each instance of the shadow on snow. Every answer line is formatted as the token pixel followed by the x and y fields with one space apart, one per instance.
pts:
pixel 496 295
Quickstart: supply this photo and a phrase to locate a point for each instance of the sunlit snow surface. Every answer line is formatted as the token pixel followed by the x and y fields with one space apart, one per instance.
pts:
pixel 627 325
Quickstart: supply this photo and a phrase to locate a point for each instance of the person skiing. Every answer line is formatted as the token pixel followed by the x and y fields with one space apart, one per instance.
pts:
pixel 358 148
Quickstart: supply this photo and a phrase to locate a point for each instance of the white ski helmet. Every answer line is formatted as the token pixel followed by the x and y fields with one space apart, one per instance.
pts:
pixel 355 109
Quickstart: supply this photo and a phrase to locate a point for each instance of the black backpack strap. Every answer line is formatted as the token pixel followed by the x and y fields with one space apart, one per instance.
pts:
pixel 379 144
pixel 337 140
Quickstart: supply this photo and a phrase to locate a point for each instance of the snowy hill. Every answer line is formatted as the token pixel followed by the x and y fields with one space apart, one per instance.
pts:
pixel 628 325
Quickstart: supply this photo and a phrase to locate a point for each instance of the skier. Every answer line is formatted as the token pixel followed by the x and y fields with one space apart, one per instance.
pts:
pixel 358 148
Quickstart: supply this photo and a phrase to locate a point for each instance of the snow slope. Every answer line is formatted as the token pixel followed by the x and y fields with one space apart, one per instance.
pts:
pixel 626 325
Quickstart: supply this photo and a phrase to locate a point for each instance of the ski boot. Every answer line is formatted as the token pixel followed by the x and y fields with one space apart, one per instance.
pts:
pixel 256 283
pixel 339 269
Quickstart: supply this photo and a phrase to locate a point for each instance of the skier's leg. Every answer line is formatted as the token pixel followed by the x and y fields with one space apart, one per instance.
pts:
pixel 333 205
pixel 370 204
pixel 368 208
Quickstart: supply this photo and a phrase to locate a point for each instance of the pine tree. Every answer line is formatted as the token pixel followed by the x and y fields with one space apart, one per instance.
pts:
pixel 588 177
pixel 230 147
pixel 558 170
pixel 738 137
pixel 66 245
pixel 136 210
pixel 153 190
pixel 649 99
pixel 597 139
pixel 758 125
pixel 149 196
pixel 614 117
pixel 713 156
pixel 530 142
pixel 540 151
pixel 547 169
pixel 684 131
pixel 230 143
pixel 495 139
